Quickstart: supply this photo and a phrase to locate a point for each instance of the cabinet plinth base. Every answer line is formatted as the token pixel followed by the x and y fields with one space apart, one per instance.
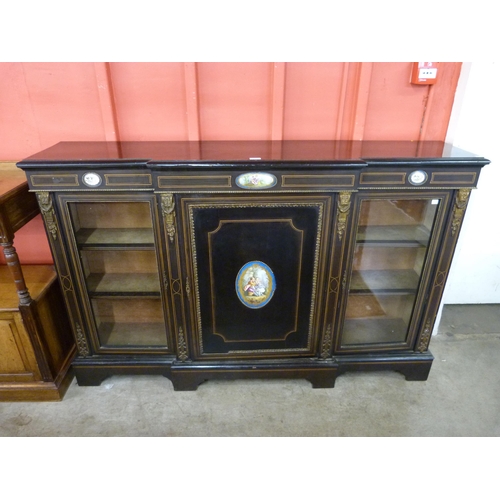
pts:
pixel 187 376
pixel 93 371
pixel 415 366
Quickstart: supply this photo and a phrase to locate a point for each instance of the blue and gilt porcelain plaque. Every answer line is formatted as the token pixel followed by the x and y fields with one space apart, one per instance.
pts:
pixel 255 284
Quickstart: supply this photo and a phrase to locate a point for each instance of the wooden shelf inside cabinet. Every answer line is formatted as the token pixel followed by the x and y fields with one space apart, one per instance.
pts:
pixel 36 345
pixel 115 237
pixel 123 284
pixel 126 334
pixel 128 322
pixel 394 235
pixel 399 281
pixel 383 330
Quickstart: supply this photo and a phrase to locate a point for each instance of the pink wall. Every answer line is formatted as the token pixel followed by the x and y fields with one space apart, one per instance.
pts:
pixel 44 103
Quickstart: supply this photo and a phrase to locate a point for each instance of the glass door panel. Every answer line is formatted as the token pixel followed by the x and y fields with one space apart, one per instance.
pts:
pixel 117 223
pixel 115 241
pixel 129 321
pixel 121 272
pixel 392 240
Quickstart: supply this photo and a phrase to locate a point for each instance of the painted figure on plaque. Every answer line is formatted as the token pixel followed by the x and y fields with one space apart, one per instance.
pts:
pixel 255 284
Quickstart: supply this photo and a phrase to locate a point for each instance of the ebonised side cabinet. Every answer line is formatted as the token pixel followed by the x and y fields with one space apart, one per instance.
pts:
pixel 205 260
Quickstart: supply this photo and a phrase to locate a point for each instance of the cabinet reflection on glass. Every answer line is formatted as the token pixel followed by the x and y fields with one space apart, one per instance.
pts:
pixel 391 245
pixel 118 262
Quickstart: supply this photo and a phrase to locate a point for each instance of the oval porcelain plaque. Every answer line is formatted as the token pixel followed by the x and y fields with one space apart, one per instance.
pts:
pixel 91 179
pixel 256 180
pixel 417 177
pixel 255 284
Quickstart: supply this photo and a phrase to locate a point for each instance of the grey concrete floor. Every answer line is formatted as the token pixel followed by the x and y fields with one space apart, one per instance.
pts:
pixel 460 398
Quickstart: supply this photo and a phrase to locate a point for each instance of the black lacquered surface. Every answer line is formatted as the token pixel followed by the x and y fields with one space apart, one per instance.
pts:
pixel 284 239
pixel 158 152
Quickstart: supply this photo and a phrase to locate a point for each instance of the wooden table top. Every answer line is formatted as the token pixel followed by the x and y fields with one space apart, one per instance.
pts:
pixel 11 177
pixel 37 277
pixel 17 205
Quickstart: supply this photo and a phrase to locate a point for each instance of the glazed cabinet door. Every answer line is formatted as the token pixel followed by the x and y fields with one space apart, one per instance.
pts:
pixel 256 265
pixel 113 240
pixel 393 245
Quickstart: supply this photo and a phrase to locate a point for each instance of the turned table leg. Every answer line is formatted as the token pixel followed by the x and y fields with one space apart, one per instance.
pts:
pixel 16 271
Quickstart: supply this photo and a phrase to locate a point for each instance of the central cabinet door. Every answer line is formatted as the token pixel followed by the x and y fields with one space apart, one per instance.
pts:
pixel 257 265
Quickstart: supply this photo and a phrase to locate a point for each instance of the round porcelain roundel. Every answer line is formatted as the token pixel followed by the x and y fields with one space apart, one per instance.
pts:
pixel 255 284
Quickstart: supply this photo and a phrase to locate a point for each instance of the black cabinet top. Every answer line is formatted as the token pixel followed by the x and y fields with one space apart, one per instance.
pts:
pixel 158 153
